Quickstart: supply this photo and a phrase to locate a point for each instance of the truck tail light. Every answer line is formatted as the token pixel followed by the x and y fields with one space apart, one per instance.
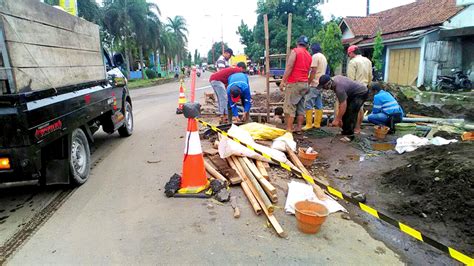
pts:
pixel 4 163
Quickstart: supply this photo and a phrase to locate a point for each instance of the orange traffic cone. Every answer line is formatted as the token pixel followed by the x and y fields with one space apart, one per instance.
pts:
pixel 194 178
pixel 181 100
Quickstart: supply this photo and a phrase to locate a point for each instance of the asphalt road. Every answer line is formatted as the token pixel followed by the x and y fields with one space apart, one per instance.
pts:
pixel 121 215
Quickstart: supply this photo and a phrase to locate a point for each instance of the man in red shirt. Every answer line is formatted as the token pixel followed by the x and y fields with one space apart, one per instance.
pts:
pixel 295 80
pixel 219 82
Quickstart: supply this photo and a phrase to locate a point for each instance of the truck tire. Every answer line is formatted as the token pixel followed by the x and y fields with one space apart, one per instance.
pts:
pixel 80 159
pixel 127 129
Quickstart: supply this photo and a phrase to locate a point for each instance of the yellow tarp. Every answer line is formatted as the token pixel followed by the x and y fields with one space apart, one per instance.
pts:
pixel 263 132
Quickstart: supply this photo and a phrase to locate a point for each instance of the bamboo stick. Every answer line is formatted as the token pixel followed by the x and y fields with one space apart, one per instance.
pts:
pixel 273 221
pixel 267 204
pixel 253 201
pixel 214 172
pixel 269 188
pixel 294 158
pixel 262 169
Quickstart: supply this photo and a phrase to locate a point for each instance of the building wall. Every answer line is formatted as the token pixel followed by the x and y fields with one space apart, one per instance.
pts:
pixel 347 34
pixel 464 19
pixel 468 55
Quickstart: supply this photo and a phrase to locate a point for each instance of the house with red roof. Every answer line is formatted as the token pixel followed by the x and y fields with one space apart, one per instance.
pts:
pixel 421 40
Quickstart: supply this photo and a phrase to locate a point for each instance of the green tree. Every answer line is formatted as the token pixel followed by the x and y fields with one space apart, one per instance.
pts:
pixel 90 10
pixel 330 39
pixel 178 27
pixel 215 52
pixel 378 50
pixel 307 20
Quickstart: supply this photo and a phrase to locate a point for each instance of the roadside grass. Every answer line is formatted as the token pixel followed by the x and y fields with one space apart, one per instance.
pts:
pixel 143 83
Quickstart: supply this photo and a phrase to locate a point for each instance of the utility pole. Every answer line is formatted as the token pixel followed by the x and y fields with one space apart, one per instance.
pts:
pixel 368 8
pixel 222 35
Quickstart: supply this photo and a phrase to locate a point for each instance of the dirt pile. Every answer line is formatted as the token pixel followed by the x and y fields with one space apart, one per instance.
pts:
pixel 412 107
pixel 452 110
pixel 437 184
pixel 259 100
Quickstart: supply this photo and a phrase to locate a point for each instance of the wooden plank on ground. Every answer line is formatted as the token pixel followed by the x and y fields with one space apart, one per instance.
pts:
pixel 271 218
pixel 258 190
pixel 269 189
pixel 223 167
pixel 214 172
pixel 294 158
pixel 253 201
pixel 262 169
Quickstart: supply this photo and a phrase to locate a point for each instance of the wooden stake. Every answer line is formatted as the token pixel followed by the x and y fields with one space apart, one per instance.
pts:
pixel 253 201
pixel 267 62
pixel 294 158
pixel 269 188
pixel 262 169
pixel 288 35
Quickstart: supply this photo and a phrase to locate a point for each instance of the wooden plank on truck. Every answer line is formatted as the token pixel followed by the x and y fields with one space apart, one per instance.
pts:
pixel 58 76
pixel 49 48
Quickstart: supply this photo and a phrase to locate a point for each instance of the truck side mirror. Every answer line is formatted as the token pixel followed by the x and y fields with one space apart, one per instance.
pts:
pixel 118 59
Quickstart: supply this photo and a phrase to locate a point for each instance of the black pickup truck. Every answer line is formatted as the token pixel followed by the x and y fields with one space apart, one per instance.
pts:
pixel 51 106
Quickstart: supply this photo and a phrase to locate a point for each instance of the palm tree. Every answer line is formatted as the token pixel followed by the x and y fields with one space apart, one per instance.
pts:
pixel 178 27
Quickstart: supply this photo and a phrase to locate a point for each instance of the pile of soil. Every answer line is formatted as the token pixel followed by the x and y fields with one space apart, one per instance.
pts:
pixel 412 107
pixel 259 100
pixel 457 110
pixel 447 135
pixel 437 184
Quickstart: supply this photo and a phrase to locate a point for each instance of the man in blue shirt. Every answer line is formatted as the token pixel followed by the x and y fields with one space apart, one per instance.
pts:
pixel 386 110
pixel 239 90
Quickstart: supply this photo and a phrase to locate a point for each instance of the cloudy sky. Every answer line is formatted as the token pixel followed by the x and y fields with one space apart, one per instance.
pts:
pixel 208 18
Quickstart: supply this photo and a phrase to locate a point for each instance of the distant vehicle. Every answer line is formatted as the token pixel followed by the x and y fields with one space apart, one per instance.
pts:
pixel 198 71
pixel 457 82
pixel 277 67
pixel 52 103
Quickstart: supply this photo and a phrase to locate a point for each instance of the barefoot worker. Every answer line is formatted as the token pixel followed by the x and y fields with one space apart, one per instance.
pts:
pixel 350 95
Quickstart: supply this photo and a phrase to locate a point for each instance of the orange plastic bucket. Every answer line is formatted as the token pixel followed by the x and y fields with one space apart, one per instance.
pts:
pixel 310 216
pixel 468 136
pixel 307 159
pixel 381 132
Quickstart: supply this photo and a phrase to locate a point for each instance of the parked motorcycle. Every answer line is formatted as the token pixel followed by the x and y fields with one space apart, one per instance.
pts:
pixel 457 82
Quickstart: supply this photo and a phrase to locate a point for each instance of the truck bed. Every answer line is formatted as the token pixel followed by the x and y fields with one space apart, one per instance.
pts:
pixel 47 47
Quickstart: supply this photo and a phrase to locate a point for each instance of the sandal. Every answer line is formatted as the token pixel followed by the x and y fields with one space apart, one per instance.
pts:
pixel 346 139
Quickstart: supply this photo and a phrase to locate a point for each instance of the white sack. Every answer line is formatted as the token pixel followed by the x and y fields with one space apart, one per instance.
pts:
pixel 409 143
pixel 300 192
pixel 228 147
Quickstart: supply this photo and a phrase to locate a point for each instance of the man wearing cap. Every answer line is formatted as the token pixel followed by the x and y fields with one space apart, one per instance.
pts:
pixel 219 81
pixel 359 69
pixel 350 95
pixel 295 80
pixel 386 110
pixel 313 100
pixel 239 91
pixel 223 60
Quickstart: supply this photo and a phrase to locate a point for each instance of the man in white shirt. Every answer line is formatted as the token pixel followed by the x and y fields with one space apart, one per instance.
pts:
pixel 223 60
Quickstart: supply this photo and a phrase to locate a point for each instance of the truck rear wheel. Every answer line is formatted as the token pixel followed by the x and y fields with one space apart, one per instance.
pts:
pixel 80 159
pixel 127 129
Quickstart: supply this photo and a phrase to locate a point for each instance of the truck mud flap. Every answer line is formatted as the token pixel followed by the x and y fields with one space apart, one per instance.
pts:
pixel 57 172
